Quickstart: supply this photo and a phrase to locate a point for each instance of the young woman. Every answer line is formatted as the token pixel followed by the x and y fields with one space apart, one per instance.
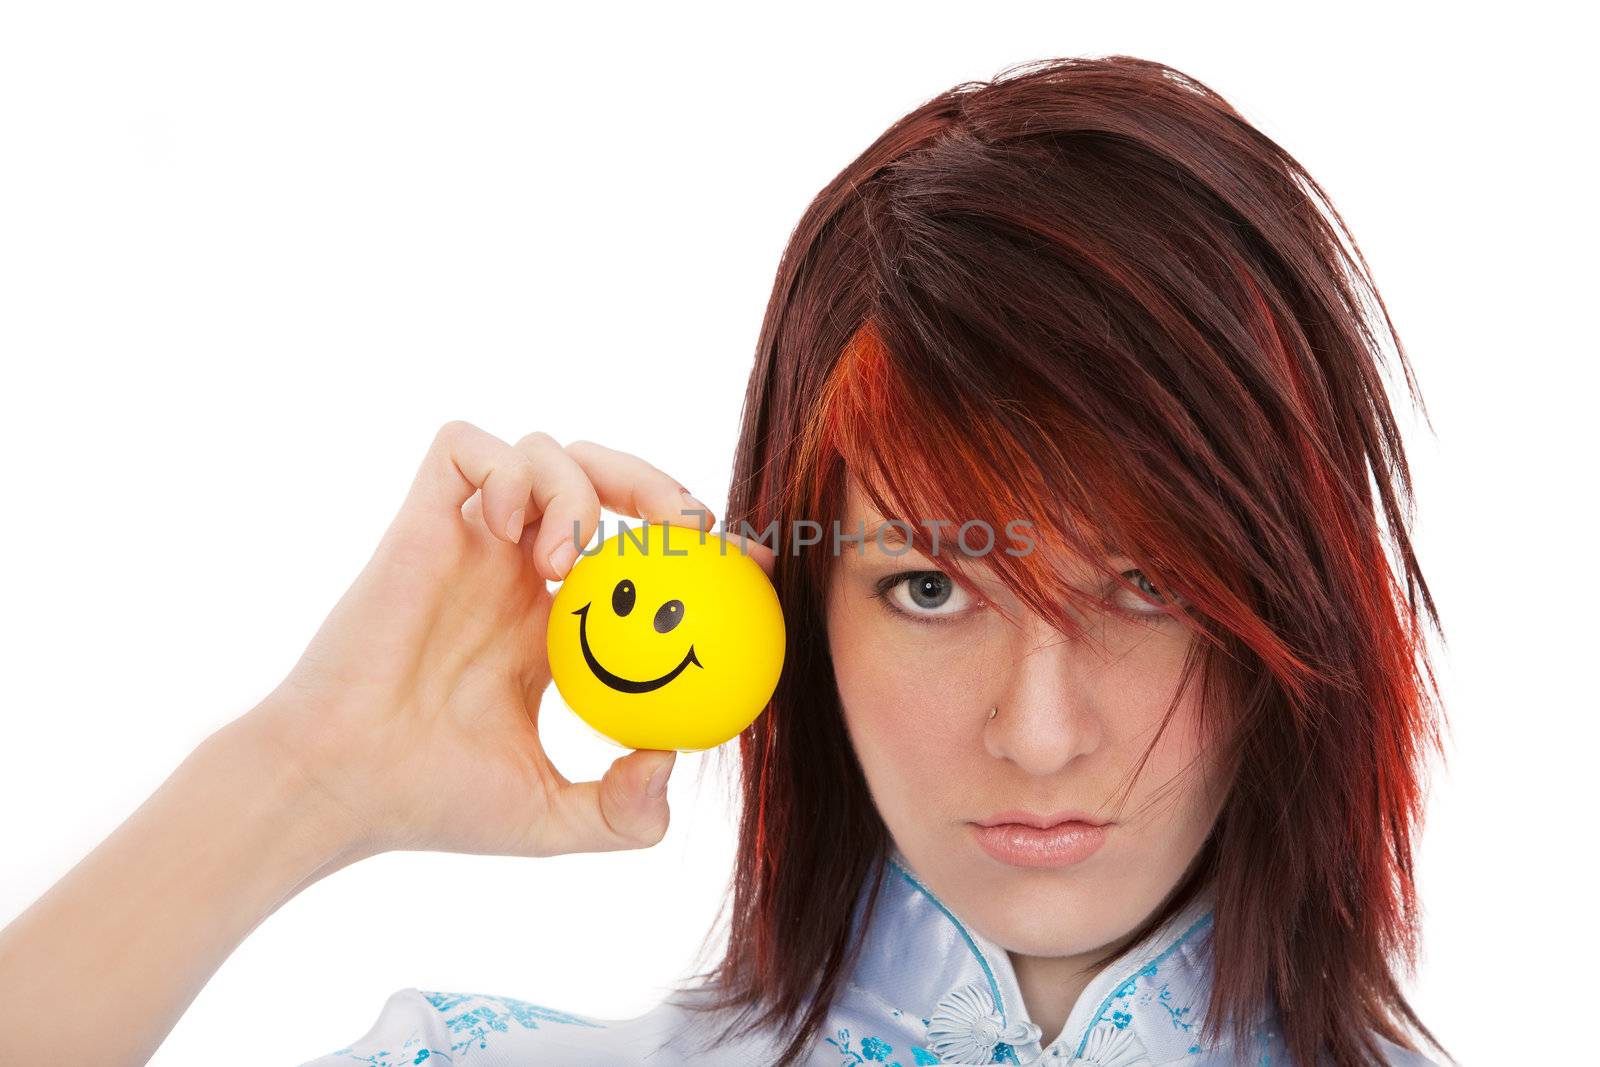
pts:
pixel 1133 780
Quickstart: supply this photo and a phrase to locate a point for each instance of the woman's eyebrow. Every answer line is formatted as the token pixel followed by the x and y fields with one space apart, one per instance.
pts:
pixel 893 534
pixel 888 533
pixel 892 531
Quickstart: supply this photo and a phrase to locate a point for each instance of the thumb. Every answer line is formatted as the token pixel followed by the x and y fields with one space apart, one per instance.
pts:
pixel 619 810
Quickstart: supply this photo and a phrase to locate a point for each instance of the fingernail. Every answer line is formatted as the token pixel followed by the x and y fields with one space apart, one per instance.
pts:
pixel 562 555
pixel 690 503
pixel 515 523
pixel 658 780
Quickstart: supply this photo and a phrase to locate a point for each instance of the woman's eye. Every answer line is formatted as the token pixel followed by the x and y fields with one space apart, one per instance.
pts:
pixel 924 595
pixel 1147 593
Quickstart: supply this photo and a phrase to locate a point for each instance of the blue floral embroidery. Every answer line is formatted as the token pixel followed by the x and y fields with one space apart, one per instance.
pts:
pixel 471 1017
pixel 1175 1013
pixel 385 1058
pixel 1265 1035
pixel 528 1015
pixel 871 1049
pixel 492 1013
pixel 877 1050
pixel 1117 1009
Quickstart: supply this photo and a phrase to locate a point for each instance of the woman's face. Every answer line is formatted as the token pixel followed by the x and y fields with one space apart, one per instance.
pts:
pixel 918 668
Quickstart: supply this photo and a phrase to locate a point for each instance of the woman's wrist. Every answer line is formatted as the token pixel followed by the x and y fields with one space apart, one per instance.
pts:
pixel 275 737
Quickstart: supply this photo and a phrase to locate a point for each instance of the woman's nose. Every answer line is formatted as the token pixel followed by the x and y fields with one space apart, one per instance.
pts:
pixel 1048 707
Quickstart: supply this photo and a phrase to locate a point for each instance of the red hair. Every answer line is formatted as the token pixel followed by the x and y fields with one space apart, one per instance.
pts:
pixel 1089 293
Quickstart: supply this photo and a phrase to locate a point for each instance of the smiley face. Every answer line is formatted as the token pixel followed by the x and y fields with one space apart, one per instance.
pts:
pixel 666 637
pixel 623 598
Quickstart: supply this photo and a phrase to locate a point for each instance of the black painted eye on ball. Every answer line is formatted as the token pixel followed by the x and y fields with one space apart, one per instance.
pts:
pixel 622 599
pixel 669 615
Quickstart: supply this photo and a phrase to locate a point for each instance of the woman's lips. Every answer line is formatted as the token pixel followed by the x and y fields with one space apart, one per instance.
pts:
pixel 1059 845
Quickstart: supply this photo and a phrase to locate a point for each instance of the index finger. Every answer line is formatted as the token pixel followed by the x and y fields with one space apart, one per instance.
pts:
pixel 616 474
pixel 623 483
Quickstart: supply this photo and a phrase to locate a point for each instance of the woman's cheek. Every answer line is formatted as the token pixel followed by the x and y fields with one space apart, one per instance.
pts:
pixel 1141 684
pixel 894 707
pixel 891 712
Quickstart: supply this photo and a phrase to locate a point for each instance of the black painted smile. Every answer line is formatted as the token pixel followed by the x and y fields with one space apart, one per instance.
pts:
pixel 620 684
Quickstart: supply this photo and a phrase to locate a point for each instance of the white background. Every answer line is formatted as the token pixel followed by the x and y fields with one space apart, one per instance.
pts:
pixel 251 256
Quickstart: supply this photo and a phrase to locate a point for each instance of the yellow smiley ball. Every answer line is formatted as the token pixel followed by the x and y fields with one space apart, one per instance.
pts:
pixel 666 637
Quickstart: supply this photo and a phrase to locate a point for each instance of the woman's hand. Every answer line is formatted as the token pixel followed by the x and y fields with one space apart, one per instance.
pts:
pixel 409 722
pixel 414 710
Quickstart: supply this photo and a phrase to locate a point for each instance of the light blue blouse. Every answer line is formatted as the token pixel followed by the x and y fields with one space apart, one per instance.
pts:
pixel 926 989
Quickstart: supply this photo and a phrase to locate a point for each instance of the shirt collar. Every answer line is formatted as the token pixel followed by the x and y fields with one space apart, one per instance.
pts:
pixel 923 964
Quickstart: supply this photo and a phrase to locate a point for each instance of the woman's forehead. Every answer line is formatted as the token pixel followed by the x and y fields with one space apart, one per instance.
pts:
pixel 894 535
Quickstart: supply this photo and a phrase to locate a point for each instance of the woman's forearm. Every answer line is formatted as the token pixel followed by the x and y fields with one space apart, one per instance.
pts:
pixel 132 933
pixel 415 701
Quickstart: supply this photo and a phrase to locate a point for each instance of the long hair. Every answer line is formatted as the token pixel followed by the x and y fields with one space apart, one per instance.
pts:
pixel 1089 292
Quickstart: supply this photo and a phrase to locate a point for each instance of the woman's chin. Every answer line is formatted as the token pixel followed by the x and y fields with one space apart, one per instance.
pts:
pixel 1047 936
pixel 1041 916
